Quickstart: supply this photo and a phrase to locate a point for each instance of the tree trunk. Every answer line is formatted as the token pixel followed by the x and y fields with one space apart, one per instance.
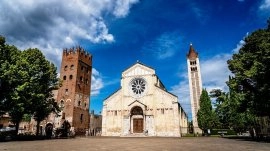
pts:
pixel 17 124
pixel 37 128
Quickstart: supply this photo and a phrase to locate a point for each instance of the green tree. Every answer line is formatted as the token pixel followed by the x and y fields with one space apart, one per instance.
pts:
pixel 8 57
pixel 206 117
pixel 227 110
pixel 251 72
pixel 27 82
pixel 17 99
pixel 42 81
pixel 12 77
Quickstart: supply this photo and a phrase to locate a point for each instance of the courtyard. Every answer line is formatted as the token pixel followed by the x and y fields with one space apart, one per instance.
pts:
pixel 136 143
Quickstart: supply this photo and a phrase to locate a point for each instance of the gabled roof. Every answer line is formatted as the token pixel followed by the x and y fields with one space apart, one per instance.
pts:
pixel 138 62
pixel 141 68
pixel 192 54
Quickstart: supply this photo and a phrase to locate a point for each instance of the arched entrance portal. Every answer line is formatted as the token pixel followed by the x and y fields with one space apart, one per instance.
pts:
pixel 137 124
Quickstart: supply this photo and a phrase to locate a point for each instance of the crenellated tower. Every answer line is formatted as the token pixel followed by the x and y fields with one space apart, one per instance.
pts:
pixel 74 94
pixel 195 85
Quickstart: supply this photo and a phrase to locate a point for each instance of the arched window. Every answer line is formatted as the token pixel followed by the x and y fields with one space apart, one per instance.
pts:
pixel 70 77
pixel 79 103
pixel 65 67
pixel 72 67
pixel 64 77
pixel 62 103
pixel 81 78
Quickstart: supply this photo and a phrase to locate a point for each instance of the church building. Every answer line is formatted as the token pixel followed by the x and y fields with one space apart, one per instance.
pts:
pixel 142 106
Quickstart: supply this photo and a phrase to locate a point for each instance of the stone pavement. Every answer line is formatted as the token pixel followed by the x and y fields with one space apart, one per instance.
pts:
pixel 138 144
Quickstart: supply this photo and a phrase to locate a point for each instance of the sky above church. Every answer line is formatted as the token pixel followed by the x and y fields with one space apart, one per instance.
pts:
pixel 119 32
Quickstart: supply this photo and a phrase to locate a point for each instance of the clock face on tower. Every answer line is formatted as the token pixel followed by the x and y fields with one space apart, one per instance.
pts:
pixel 138 87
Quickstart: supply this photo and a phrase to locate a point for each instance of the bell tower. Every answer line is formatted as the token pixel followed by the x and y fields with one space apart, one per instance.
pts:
pixel 195 85
pixel 74 94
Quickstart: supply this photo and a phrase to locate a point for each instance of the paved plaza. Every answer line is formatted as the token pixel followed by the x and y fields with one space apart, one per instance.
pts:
pixel 138 144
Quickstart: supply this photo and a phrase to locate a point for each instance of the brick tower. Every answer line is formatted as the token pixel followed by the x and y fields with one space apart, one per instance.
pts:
pixel 74 94
pixel 195 85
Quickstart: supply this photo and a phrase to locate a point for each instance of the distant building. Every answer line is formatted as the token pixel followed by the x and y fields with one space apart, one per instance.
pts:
pixel 195 85
pixel 95 124
pixel 5 121
pixel 142 106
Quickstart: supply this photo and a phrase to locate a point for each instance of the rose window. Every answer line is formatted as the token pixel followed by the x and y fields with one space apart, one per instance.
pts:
pixel 138 86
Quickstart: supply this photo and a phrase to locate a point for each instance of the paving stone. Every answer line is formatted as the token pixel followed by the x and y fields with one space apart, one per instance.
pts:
pixel 136 144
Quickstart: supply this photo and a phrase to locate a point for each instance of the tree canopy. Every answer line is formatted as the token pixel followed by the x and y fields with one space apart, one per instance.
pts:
pixel 251 72
pixel 27 82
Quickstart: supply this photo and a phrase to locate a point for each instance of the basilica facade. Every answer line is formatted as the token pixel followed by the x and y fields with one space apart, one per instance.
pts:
pixel 142 106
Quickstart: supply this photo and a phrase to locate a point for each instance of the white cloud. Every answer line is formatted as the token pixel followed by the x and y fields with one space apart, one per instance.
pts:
pixel 215 72
pixel 122 7
pixel 52 25
pixel 263 10
pixel 239 46
pixel 96 83
pixel 265 5
pixel 164 46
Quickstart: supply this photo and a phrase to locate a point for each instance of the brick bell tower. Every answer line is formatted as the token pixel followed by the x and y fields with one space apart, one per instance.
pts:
pixel 74 94
pixel 195 85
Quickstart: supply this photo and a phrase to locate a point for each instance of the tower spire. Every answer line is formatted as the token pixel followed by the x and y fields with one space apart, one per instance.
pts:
pixel 192 54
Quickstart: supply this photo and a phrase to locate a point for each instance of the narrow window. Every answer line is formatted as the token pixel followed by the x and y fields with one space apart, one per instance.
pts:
pixel 162 111
pixel 65 68
pixel 81 118
pixel 115 113
pixel 79 103
pixel 66 91
pixel 81 78
pixel 63 115
pixel 70 77
pixel 64 77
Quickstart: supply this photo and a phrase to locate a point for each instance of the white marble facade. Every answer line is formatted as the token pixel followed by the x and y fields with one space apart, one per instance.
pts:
pixel 142 106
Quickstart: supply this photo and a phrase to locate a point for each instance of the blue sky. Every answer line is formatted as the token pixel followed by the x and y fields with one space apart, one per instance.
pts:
pixel 119 32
